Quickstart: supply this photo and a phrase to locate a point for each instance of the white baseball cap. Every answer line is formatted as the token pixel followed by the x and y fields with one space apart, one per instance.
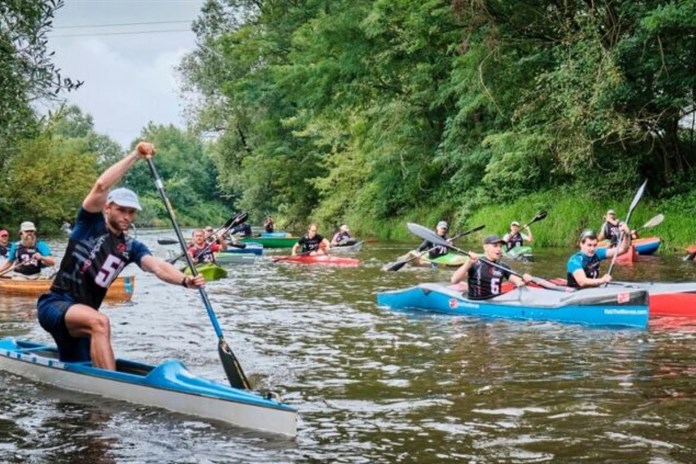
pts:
pixel 26 226
pixel 124 197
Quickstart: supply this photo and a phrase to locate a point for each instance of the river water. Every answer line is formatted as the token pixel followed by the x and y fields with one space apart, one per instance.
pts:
pixel 372 385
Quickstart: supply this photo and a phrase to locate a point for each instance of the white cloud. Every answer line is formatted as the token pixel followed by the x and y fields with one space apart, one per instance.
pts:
pixel 130 78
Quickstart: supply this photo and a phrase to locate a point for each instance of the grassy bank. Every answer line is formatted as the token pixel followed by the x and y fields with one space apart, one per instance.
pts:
pixel 569 213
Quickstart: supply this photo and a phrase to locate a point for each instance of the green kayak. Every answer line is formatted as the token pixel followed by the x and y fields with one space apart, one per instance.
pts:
pixel 208 270
pixel 448 260
pixel 273 242
pixel 520 253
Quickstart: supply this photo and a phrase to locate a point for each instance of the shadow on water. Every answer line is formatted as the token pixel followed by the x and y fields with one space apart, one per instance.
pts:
pixel 373 385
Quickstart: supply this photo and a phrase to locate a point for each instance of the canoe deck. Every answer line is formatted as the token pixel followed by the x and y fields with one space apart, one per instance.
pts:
pixel 169 385
pixel 121 289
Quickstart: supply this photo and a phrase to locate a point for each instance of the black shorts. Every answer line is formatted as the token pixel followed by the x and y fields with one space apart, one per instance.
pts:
pixel 51 314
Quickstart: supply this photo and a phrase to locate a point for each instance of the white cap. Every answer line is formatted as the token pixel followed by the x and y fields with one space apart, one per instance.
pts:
pixel 442 225
pixel 514 223
pixel 124 197
pixel 345 228
pixel 27 225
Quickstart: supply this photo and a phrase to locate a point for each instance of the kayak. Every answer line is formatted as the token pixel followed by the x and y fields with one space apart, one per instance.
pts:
pixel 121 288
pixel 208 270
pixel 234 258
pixel 673 299
pixel 250 248
pixel 597 307
pixel 631 256
pixel 520 253
pixel 169 385
pixel 318 259
pixel 273 242
pixel 352 248
pixel 277 234
pixel 646 246
pixel 447 260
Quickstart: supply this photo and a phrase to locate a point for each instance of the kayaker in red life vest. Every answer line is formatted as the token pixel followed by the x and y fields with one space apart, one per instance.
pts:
pixel 312 243
pixel 583 266
pixel 485 281
pixel 201 251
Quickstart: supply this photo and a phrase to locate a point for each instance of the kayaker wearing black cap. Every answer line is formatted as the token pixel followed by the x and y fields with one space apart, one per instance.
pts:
pixel 484 280
pixel 583 266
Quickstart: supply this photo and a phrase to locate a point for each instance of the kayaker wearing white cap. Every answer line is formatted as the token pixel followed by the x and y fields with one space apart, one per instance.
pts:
pixel 27 256
pixel 484 281
pixel 610 229
pixel 436 251
pixel 515 238
pixel 98 250
pixel 342 237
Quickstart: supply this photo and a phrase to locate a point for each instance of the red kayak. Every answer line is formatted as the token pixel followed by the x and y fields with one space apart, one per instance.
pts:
pixel 318 259
pixel 631 256
pixel 665 298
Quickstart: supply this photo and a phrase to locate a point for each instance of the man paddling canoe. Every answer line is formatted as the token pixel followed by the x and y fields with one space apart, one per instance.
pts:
pixel 27 256
pixel 583 266
pixel 485 281
pixel 98 250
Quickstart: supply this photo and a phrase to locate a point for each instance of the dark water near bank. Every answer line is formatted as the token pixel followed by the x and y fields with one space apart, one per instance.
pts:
pixel 373 385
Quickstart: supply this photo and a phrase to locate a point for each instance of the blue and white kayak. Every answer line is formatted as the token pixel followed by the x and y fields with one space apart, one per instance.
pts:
pixel 597 306
pixel 168 385
pixel 250 248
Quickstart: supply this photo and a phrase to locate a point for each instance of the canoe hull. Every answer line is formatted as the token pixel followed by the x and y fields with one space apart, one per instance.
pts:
pixel 646 246
pixel 599 308
pixel 323 260
pixel 520 253
pixel 667 298
pixel 121 289
pixel 250 248
pixel 447 260
pixel 273 242
pixel 169 386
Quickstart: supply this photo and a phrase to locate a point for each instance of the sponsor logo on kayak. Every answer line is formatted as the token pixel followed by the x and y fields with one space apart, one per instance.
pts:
pixel 623 297
pixel 625 312
pixel 453 304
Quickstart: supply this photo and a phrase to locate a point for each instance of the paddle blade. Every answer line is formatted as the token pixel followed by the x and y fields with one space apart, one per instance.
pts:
pixel 427 234
pixel 540 215
pixel 167 241
pixel 656 221
pixel 237 219
pixel 233 369
pixel 636 198
pixel 396 265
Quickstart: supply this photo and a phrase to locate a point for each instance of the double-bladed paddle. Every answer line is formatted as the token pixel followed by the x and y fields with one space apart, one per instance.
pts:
pixel 233 369
pixel 541 215
pixel 634 203
pixel 396 265
pixel 432 237
pixel 231 222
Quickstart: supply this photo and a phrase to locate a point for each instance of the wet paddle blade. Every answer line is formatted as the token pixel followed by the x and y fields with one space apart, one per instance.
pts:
pixel 167 241
pixel 396 265
pixel 656 221
pixel 233 369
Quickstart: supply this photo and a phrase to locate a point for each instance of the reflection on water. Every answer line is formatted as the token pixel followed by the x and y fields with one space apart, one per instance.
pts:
pixel 374 385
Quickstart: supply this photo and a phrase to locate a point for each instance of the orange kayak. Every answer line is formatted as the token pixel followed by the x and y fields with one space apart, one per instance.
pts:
pixel 318 259
pixel 120 290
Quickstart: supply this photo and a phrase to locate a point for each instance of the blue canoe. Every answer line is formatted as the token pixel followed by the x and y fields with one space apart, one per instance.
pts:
pixel 168 385
pixel 250 248
pixel 277 234
pixel 597 306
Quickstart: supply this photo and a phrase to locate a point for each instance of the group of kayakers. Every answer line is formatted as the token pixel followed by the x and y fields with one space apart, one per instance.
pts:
pixel 313 243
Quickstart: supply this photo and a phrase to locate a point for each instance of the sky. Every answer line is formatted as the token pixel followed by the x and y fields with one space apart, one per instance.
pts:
pixel 129 76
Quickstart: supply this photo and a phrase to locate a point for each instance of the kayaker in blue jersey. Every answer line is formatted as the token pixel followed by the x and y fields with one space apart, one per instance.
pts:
pixel 4 243
pixel 28 256
pixel 583 266
pixel 483 280
pixel 610 229
pixel 515 238
pixel 268 225
pixel 311 243
pixel 342 237
pixel 98 250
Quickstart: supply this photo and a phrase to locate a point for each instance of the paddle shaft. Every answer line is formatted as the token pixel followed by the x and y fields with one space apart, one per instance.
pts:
pixel 399 264
pixel 539 216
pixel 204 295
pixel 634 203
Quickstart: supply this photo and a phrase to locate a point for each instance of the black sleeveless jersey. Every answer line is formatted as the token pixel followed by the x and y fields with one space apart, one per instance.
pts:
pixel 23 255
pixel 514 240
pixel 310 244
pixel 485 280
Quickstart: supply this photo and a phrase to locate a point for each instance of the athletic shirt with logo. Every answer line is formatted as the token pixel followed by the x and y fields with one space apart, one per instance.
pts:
pixel 485 280
pixel 514 240
pixel 310 244
pixel 589 264
pixel 23 254
pixel 93 259
pixel 434 251
pixel 612 233
pixel 4 250
pixel 202 256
